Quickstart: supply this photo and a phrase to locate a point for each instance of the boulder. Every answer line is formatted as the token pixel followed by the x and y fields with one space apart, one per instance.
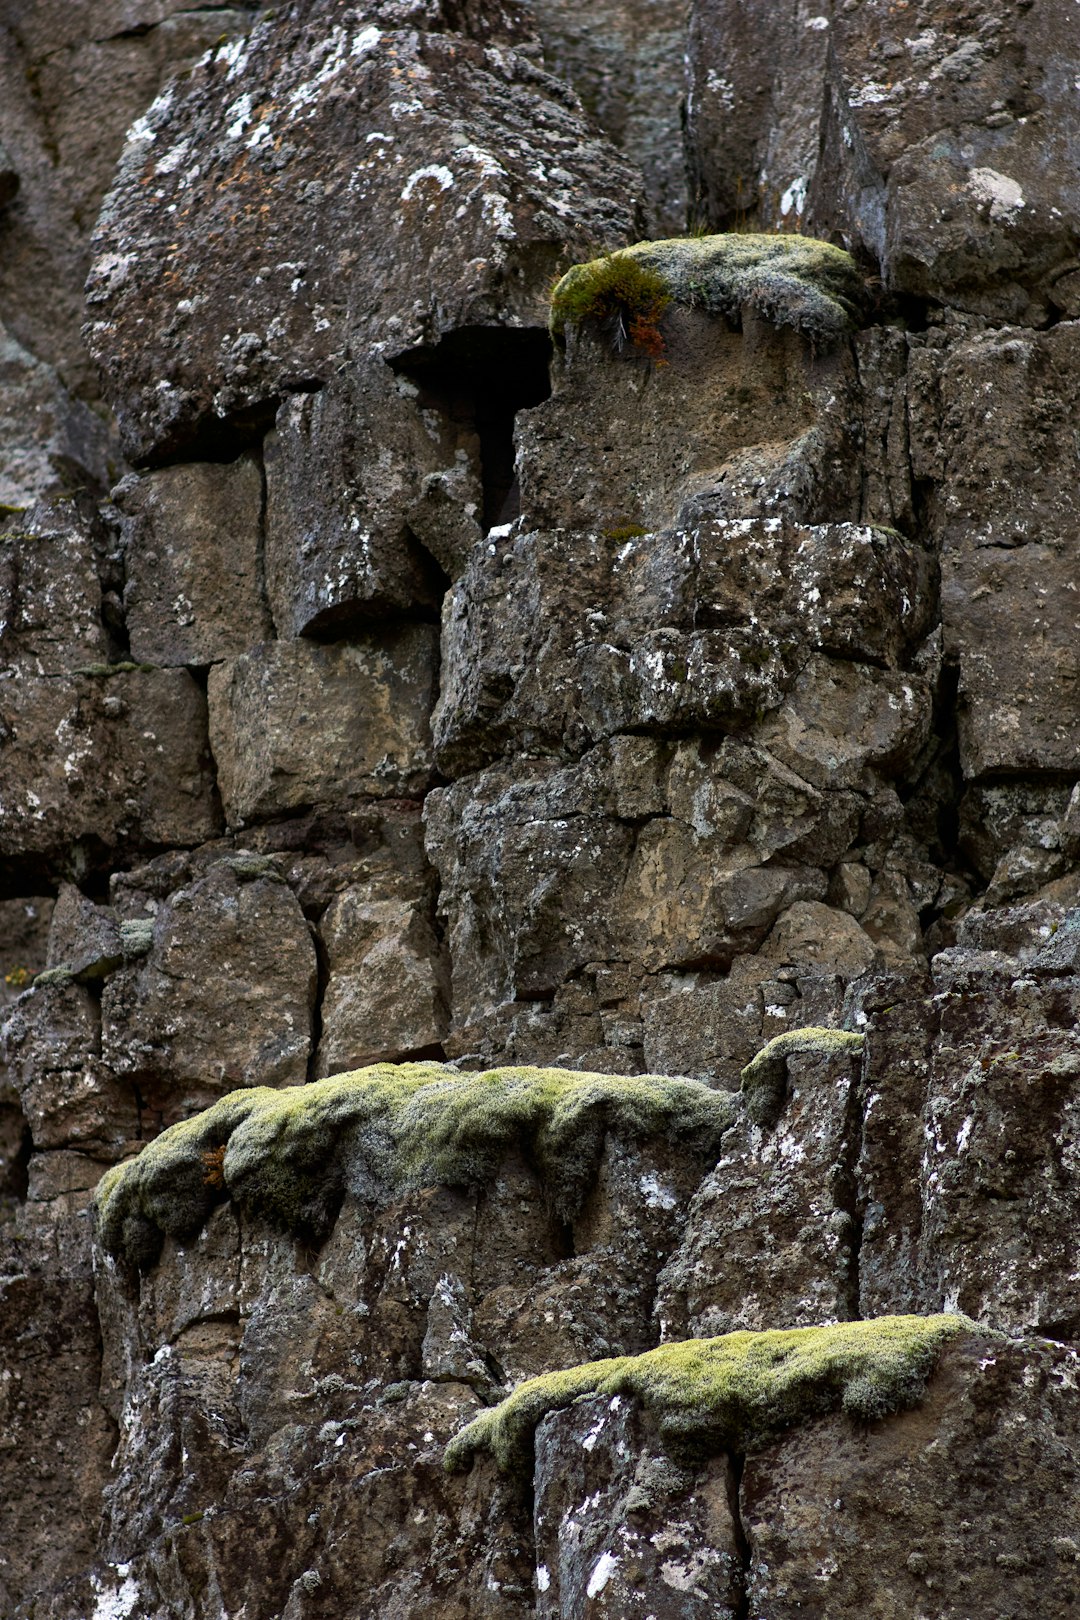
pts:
pixel 345 180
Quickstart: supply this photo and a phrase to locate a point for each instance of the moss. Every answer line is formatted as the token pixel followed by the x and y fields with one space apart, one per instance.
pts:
pixel 764 1080
pixel 137 936
pixel 789 280
pixel 291 1155
pixel 734 1393
pixel 62 974
pixel 620 293
pixel 107 670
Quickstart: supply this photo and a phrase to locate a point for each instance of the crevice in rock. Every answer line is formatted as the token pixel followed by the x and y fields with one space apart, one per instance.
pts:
pixel 219 439
pixel 16 1148
pixel 479 377
pixel 260 546
pixel 322 981
pixel 847 1200
pixel 736 1463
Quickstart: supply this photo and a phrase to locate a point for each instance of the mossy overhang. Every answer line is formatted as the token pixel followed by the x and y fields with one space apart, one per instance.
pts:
pixel 788 280
pixel 290 1155
pixel 735 1393
pixel 764 1080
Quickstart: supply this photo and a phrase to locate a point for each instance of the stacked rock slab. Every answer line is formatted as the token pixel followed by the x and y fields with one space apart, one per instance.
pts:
pixel 404 663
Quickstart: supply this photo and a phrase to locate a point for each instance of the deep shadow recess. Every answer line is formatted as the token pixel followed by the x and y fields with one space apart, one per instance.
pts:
pixel 479 377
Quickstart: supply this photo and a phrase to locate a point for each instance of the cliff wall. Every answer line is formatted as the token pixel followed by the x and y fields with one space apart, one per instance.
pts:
pixel 554 688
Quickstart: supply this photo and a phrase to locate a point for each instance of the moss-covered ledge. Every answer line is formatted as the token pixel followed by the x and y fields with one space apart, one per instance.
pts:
pixel 764 1080
pixel 289 1156
pixel 789 280
pixel 733 1393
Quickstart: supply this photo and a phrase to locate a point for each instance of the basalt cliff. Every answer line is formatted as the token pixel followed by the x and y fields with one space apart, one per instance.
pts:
pixel 539 810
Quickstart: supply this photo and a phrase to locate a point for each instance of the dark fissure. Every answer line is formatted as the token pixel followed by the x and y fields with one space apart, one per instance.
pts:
pixel 479 377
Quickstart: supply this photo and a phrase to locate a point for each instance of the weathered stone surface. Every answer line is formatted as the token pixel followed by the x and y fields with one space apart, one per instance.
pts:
pixel 101 760
pixel 51 607
pixel 1009 528
pixel 193 549
pixel 52 1428
pixel 784 1201
pixel 646 859
pixel 223 998
pixel 293 724
pixel 619 1525
pixel 735 424
pixel 575 636
pixel 338 547
pixel 863 121
pixel 84 939
pixel 49 441
pixel 305 260
pixel 994 1411
pixel 625 60
pixel 386 995
pixel 53 1055
pixel 71 82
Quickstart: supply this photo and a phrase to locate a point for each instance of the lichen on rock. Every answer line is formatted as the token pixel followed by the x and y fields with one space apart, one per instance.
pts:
pixel 291 1154
pixel 732 1393
pixel 765 1076
pixel 788 280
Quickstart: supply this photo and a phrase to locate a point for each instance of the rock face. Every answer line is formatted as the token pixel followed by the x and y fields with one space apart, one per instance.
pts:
pixel 440 628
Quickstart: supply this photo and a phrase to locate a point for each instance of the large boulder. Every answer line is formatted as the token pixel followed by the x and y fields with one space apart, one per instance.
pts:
pixel 346 176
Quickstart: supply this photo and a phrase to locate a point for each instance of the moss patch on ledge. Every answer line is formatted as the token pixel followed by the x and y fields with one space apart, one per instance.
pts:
pixel 764 1080
pixel 789 280
pixel 734 1393
pixel 290 1156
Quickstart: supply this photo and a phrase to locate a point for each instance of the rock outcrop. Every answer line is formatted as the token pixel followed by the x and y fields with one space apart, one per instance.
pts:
pixel 539 810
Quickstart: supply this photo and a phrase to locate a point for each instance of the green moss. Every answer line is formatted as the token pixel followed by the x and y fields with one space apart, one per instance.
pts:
pixel 734 1393
pixel 619 292
pixel 291 1155
pixel 107 670
pixel 764 1080
pixel 789 280
pixel 63 974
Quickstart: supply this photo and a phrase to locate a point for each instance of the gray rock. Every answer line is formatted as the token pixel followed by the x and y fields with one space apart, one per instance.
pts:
pixel 84 938
pixel 771 1236
pixel 68 1095
pixel 619 1525
pixel 104 759
pixel 51 604
pixel 811 1505
pixel 308 261
pixel 625 60
pixel 569 636
pixel 1008 526
pixel 223 999
pixel 859 124
pixel 385 998
pixel 735 423
pixel 339 548
pixel 294 724
pixel 193 543
pixel 50 442
pixel 70 85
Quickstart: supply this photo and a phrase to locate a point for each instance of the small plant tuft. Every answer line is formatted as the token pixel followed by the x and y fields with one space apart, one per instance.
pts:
pixel 621 295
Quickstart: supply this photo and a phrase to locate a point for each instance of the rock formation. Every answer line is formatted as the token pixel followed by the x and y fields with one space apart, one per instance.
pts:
pixel 539 577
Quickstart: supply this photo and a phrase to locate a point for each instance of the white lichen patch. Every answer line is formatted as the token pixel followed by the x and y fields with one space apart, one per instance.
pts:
pixel 1000 192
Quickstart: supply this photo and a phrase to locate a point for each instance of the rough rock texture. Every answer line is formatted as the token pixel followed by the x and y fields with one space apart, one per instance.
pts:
pixel 440 142
pixel 450 675
pixel 625 60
